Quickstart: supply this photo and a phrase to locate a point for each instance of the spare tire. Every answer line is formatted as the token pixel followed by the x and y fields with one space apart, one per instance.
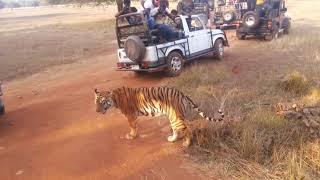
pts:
pixel 228 17
pixel 251 19
pixel 134 48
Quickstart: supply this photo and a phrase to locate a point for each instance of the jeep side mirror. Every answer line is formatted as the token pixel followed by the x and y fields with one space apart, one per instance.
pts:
pixel 284 9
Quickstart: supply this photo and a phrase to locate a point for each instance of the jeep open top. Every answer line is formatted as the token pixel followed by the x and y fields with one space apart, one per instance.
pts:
pixel 141 49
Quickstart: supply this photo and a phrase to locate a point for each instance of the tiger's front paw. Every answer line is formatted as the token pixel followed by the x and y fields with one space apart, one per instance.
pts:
pixel 129 136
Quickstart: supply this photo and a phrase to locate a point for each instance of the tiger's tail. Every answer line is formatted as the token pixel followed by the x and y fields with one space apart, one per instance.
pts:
pixel 201 113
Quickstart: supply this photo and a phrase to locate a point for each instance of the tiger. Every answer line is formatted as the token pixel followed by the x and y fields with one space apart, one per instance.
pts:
pixel 151 101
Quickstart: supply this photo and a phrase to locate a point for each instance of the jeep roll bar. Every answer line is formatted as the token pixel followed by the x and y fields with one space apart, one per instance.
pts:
pixel 143 30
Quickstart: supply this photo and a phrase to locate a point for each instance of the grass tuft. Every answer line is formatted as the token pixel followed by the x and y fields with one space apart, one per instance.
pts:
pixel 199 75
pixel 313 97
pixel 295 82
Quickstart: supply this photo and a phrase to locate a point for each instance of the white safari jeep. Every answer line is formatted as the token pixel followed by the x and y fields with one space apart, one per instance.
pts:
pixel 141 50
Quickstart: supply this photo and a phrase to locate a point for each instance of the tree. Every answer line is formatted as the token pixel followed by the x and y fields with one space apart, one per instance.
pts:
pixel 96 2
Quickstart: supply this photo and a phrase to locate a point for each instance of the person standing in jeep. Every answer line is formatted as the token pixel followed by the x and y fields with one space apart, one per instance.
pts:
pixel 162 15
pixel 185 7
pixel 251 5
pixel 125 8
pixel 263 7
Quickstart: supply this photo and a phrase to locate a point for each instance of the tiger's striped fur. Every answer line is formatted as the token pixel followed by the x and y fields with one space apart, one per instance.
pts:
pixel 134 102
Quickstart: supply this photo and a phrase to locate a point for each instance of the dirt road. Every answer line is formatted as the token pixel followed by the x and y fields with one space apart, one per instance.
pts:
pixel 51 129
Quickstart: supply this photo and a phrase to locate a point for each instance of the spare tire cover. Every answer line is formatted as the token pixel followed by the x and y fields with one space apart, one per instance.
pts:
pixel 228 16
pixel 134 48
pixel 251 19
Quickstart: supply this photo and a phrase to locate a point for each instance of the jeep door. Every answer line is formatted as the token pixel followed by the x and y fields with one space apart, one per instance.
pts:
pixel 198 36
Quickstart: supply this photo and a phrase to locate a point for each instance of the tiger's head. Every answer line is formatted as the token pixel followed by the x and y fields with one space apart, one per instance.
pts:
pixel 103 101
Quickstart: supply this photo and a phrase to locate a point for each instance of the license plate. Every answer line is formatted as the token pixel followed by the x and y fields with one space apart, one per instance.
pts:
pixel 135 67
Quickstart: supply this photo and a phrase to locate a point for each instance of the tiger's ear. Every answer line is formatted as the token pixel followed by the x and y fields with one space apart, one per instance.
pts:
pixel 96 91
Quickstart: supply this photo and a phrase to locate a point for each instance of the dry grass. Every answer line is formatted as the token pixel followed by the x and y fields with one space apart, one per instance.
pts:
pixel 30 51
pixel 193 79
pixel 295 82
pixel 255 143
pixel 261 146
pixel 303 48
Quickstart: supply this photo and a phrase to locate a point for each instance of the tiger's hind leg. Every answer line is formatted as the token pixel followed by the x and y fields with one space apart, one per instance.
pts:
pixel 133 128
pixel 186 138
pixel 179 131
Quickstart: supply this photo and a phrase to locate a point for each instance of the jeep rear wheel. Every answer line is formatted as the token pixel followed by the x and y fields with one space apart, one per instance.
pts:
pixel 218 49
pixel 174 64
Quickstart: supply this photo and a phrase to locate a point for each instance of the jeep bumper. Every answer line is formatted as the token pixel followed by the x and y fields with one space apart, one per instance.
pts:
pixel 260 31
pixel 226 25
pixel 145 67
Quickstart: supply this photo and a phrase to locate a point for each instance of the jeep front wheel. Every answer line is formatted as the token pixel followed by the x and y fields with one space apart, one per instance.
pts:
pixel 174 64
pixel 218 49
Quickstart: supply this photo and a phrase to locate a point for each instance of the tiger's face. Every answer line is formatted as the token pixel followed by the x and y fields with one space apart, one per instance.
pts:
pixel 103 101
